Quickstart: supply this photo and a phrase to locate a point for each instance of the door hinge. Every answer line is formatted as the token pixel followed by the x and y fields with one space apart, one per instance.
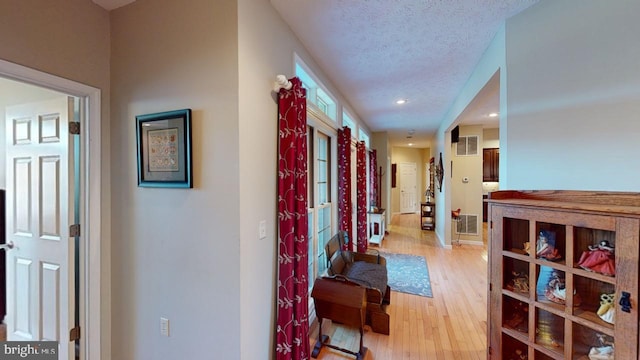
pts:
pixel 490 351
pixel 490 224
pixel 74 334
pixel 490 286
pixel 74 128
pixel 74 230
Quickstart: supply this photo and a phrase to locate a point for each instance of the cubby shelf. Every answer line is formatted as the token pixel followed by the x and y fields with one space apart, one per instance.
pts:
pixel 554 258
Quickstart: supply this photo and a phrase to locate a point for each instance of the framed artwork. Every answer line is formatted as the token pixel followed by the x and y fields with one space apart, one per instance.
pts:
pixel 164 149
pixel 440 173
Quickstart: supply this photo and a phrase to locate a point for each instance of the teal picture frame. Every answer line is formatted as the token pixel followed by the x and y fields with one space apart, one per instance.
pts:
pixel 164 149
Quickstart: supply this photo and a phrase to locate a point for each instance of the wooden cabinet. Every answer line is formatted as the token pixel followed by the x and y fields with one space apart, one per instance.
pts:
pixel 485 208
pixel 428 216
pixel 575 290
pixel 490 164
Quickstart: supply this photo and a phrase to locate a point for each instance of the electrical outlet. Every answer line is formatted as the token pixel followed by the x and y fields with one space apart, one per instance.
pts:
pixel 262 229
pixel 164 326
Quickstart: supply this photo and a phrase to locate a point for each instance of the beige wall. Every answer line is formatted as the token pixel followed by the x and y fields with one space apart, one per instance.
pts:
pixel 581 88
pixel 490 138
pixel 56 40
pixel 177 251
pixel 467 196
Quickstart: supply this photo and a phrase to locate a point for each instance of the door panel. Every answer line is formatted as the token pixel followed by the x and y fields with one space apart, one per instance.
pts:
pixel 50 305
pixel 21 190
pixel 40 275
pixel 22 324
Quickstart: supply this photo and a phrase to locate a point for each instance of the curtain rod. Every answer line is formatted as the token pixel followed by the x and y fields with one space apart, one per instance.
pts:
pixel 281 82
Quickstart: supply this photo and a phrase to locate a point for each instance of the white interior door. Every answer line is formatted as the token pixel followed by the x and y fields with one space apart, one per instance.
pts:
pixel 40 272
pixel 408 188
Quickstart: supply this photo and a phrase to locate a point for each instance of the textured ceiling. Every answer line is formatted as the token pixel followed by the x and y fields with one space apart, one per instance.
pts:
pixel 378 51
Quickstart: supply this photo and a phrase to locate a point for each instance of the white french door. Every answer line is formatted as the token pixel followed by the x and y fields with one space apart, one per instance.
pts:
pixel 40 272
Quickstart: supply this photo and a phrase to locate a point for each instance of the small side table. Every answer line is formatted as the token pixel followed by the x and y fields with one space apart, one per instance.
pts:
pixel 428 216
pixel 377 226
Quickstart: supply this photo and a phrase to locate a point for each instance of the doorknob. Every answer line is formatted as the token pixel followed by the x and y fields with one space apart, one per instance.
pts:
pixel 6 247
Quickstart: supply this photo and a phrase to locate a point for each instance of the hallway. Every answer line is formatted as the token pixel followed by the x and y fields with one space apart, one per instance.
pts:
pixel 451 325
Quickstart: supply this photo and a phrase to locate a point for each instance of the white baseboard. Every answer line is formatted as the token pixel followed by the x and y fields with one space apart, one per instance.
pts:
pixel 470 242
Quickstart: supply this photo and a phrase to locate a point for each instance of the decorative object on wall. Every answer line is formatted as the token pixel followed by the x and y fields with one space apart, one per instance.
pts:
pixel 344 181
pixel 394 169
pixel 292 335
pixel 439 173
pixel 430 192
pixel 361 181
pixel 164 149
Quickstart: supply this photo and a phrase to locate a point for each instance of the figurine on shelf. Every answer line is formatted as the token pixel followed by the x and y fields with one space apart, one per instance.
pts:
pixel 546 246
pixel 605 350
pixel 556 291
pixel 607 310
pixel 518 355
pixel 519 282
pixel 520 318
pixel 599 258
pixel 625 302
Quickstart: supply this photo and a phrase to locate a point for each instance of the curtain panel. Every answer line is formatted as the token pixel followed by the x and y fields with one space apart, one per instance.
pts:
pixel 373 179
pixel 344 182
pixel 292 333
pixel 361 181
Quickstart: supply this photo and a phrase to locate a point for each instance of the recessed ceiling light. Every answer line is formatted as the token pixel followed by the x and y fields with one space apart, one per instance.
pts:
pixel 401 101
pixel 410 144
pixel 493 114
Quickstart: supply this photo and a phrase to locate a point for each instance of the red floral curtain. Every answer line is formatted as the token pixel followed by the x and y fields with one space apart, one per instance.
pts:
pixel 373 178
pixel 361 181
pixel 344 181
pixel 292 338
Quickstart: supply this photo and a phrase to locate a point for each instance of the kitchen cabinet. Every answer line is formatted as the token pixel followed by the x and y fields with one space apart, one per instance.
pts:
pixel 490 164
pixel 485 208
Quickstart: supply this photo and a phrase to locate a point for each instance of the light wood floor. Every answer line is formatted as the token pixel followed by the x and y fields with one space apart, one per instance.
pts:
pixel 451 325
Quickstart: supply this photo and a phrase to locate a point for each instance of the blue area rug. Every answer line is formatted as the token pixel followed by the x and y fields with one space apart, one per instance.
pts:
pixel 408 274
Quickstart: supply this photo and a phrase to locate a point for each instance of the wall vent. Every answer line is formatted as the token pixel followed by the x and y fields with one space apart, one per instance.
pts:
pixel 468 224
pixel 467 146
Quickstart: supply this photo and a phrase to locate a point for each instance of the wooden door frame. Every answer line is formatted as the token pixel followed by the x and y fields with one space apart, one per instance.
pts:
pixel 91 301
